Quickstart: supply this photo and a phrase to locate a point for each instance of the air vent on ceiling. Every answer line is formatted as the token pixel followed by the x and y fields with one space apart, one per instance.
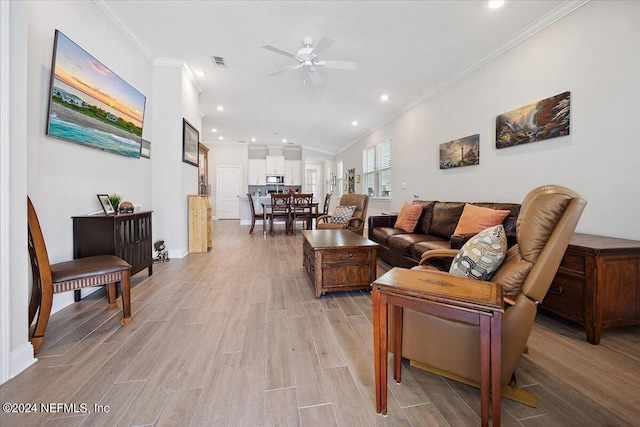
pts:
pixel 242 141
pixel 218 61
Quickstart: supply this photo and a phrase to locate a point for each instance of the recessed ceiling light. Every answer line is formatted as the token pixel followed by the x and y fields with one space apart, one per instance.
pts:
pixel 494 4
pixel 384 97
pixel 354 123
pixel 253 140
pixel 199 73
pixel 284 140
pixel 220 138
pixel 220 108
pixel 214 130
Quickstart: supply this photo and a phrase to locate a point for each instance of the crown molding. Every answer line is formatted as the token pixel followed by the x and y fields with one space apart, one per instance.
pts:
pixel 551 17
pixel 115 18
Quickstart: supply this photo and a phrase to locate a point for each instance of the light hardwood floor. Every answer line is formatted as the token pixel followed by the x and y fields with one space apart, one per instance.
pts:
pixel 236 337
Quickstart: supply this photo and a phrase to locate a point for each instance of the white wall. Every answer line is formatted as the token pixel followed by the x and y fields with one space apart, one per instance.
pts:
pixel 64 177
pixel 593 53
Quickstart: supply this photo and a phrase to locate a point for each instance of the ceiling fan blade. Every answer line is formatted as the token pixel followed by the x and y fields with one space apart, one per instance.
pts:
pixel 324 44
pixel 280 51
pixel 314 75
pixel 291 67
pixel 342 65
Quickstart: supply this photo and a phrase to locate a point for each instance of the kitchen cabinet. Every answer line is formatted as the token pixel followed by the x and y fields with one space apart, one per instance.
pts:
pixel 275 165
pixel 257 173
pixel 293 172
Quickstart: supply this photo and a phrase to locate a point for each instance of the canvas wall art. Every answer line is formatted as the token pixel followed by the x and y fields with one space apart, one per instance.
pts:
pixel 544 119
pixel 90 105
pixel 460 152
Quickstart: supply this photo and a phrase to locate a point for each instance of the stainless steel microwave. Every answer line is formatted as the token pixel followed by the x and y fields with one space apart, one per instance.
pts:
pixel 275 179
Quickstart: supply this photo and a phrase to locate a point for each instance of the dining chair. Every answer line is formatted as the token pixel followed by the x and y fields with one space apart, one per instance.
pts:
pixel 327 200
pixel 280 209
pixel 254 215
pixel 49 279
pixel 302 208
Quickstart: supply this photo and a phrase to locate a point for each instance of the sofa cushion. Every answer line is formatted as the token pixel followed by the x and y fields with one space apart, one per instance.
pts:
pixel 424 222
pixel 402 244
pixel 381 234
pixel 445 218
pixel 474 219
pixel 341 214
pixel 426 245
pixel 481 256
pixel 408 217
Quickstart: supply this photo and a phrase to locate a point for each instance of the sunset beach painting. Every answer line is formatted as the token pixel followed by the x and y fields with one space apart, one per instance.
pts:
pixel 90 105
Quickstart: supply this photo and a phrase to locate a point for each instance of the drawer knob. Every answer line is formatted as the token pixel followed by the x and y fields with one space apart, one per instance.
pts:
pixel 342 257
pixel 556 291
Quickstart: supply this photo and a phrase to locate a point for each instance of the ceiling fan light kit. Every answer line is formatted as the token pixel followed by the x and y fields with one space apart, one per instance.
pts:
pixel 308 57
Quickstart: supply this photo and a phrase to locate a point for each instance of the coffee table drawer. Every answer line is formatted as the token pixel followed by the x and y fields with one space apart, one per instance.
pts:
pixel 349 257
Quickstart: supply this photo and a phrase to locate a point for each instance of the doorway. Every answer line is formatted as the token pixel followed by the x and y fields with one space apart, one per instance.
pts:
pixel 228 180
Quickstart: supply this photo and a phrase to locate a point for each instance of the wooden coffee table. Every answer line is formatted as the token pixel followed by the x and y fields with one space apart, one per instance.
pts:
pixel 338 260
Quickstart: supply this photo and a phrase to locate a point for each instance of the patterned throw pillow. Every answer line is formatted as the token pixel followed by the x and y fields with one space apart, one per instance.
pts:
pixel 481 256
pixel 341 214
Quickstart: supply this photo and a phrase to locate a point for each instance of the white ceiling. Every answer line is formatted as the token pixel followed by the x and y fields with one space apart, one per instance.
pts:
pixel 406 49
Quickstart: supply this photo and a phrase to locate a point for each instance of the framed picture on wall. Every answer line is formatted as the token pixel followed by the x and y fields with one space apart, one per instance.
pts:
pixel 190 139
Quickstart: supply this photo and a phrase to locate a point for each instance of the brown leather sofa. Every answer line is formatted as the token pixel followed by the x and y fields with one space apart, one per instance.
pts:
pixel 434 230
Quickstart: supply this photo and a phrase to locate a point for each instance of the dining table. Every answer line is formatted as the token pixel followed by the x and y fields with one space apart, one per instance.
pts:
pixel 310 208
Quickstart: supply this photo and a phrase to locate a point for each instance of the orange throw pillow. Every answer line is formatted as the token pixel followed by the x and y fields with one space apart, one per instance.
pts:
pixel 408 217
pixel 474 219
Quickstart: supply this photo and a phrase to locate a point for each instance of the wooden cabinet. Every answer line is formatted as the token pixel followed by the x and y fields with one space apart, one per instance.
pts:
pixel 257 173
pixel 597 284
pixel 126 235
pixel 200 224
pixel 275 165
pixel 292 172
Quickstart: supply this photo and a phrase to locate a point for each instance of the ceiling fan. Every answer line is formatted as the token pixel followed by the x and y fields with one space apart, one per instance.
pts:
pixel 308 57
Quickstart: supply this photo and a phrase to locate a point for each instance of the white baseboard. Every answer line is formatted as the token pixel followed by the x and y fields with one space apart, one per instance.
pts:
pixel 178 253
pixel 21 359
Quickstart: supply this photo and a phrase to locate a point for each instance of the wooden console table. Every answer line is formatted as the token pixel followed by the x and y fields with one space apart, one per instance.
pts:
pixel 420 291
pixel 126 235
pixel 597 284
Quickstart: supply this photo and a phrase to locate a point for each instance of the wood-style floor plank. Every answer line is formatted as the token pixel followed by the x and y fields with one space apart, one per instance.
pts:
pixel 235 336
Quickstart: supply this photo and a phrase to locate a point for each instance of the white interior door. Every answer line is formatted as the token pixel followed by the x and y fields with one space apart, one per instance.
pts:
pixel 228 192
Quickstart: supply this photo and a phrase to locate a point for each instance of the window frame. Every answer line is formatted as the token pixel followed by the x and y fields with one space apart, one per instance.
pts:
pixel 376 168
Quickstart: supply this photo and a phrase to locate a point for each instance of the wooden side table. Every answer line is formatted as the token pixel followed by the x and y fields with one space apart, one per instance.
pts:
pixel 597 284
pixel 429 293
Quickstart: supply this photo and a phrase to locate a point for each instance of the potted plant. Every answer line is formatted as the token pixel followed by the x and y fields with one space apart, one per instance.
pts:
pixel 115 201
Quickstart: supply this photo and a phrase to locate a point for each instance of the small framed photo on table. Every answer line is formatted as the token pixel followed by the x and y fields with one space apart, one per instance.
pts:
pixel 107 207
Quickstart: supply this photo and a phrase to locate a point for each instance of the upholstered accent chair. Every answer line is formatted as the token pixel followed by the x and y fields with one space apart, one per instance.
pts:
pixel 357 220
pixel 547 220
pixel 49 279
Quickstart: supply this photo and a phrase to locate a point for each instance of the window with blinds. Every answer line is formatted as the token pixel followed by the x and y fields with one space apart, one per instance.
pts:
pixel 376 167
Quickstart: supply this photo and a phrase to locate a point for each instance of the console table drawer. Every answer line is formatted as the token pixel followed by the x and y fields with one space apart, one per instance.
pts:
pixel 565 297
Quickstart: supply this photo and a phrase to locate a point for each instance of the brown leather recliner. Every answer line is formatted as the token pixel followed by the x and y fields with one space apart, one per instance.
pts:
pixel 546 222
pixel 357 220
